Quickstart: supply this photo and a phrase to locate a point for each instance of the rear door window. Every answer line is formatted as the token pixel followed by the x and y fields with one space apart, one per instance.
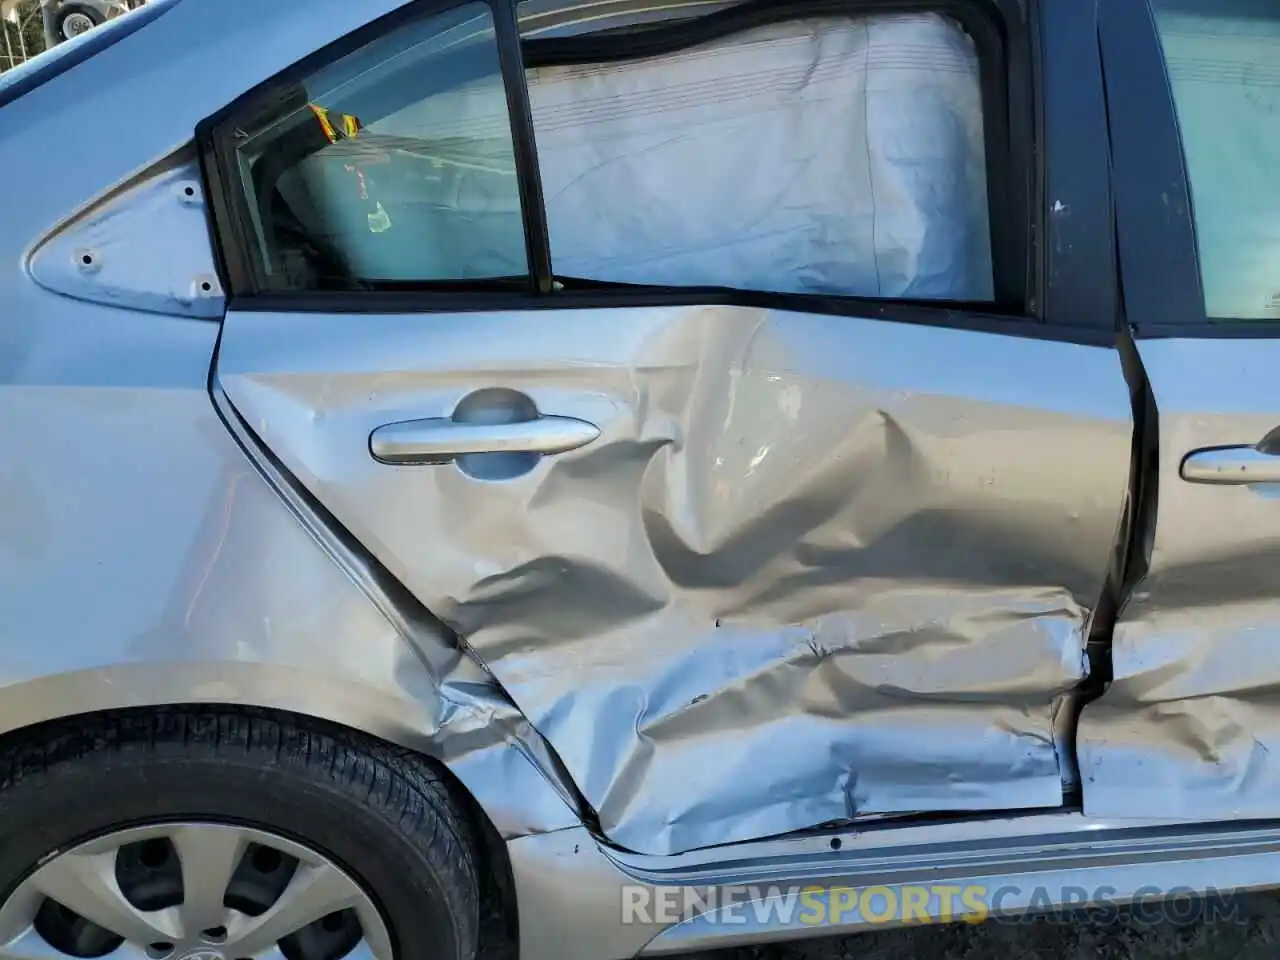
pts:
pixel 392 164
pixel 785 151
pixel 836 155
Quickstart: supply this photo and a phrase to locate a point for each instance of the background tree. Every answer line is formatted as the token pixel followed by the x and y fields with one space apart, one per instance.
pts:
pixel 28 33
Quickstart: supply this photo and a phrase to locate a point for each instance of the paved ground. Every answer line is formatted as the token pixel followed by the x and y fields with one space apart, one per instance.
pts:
pixel 1253 935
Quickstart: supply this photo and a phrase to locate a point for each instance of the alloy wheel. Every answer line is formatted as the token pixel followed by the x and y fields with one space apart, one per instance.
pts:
pixel 191 891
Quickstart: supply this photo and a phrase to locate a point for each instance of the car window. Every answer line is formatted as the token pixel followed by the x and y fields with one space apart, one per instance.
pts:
pixel 1223 61
pixel 43 67
pixel 392 164
pixel 826 155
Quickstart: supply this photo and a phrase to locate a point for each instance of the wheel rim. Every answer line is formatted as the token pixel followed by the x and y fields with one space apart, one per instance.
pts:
pixel 191 891
pixel 76 24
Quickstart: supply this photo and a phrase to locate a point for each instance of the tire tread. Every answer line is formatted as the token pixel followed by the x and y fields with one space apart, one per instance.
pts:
pixel 399 786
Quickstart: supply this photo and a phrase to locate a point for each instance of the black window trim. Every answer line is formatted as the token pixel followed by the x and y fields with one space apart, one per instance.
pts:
pixel 1155 219
pixel 1080 283
pixel 1011 121
pixel 536 231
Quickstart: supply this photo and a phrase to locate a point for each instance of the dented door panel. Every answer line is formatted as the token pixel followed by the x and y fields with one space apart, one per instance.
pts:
pixel 812 568
pixel 1191 725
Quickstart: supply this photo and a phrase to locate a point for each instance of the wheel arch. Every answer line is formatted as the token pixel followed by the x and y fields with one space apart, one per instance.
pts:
pixel 489 767
pixel 120 688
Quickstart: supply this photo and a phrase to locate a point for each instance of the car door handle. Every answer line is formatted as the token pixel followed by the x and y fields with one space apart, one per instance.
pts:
pixel 443 439
pixel 1231 465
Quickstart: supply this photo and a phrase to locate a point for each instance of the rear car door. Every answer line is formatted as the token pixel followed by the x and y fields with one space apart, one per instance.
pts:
pixel 741 388
pixel 1190 727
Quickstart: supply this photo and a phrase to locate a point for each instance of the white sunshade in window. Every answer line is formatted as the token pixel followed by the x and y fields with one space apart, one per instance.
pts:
pixel 834 155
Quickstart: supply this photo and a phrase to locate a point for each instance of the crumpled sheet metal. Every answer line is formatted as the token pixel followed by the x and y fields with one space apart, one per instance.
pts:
pixel 814 567
pixel 1190 728
pixel 357 623
pixel 919 703
pixel 145 560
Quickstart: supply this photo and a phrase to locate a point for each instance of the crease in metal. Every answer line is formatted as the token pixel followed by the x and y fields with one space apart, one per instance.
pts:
pixel 475 723
pixel 1190 725
pixel 197 581
pixel 813 569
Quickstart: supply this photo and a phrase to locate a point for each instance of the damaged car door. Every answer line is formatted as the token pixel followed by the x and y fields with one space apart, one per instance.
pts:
pixel 703 372
pixel 1189 728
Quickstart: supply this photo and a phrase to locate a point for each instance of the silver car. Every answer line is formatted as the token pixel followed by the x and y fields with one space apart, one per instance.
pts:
pixel 586 480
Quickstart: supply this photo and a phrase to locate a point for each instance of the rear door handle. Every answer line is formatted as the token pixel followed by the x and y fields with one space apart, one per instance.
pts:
pixel 1231 465
pixel 443 440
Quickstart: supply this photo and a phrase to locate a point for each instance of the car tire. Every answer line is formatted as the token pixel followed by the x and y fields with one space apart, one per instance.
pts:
pixel 379 814
pixel 76 18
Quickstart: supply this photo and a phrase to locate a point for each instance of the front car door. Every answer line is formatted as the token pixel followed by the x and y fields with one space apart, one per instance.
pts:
pixel 742 390
pixel 1190 727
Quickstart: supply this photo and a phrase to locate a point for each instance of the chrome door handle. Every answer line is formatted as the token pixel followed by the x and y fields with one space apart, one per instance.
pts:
pixel 1231 465
pixel 443 440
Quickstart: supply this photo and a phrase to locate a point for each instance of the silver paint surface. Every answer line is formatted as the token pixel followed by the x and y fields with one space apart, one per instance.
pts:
pixel 1191 725
pixel 902 580
pixel 182 577
pixel 144 558
pixel 145 248
pixel 814 568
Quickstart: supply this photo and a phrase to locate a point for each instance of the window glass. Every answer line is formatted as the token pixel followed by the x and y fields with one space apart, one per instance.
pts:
pixel 1223 60
pixel 832 155
pixel 394 164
